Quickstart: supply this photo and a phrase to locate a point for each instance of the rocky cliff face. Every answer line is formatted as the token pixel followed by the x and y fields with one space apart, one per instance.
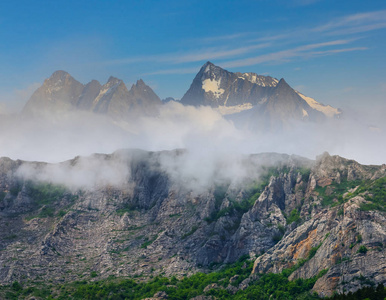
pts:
pixel 290 213
pixel 266 98
pixel 61 92
pixel 216 87
pixel 339 233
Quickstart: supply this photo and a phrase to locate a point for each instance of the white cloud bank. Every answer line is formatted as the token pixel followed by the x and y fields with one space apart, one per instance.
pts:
pixel 215 147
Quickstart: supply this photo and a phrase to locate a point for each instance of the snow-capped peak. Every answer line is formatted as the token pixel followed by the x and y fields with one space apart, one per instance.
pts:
pixel 264 81
pixel 327 110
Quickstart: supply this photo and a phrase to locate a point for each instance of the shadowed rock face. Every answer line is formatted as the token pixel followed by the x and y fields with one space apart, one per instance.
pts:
pixel 260 102
pixel 282 108
pixel 151 223
pixel 215 87
pixel 90 92
pixel 61 92
pixel 143 99
pixel 285 104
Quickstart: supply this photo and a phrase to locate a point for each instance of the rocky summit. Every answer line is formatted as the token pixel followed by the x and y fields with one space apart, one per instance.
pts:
pixel 289 214
pixel 216 87
pixel 61 92
pixel 263 97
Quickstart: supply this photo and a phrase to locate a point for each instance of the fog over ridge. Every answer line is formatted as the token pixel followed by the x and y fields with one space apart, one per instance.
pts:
pixel 215 148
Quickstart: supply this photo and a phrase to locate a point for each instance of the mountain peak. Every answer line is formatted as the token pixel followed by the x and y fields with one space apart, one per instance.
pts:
pixel 62 92
pixel 208 67
pixel 141 86
pixel 283 85
pixel 59 92
pixel 113 80
pixel 208 63
pixel 140 83
pixel 282 82
pixel 60 79
pixel 94 82
pixel 59 74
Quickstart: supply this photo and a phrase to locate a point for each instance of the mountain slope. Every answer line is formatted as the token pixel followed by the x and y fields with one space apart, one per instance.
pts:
pixel 143 99
pixel 282 108
pixel 90 91
pixel 293 214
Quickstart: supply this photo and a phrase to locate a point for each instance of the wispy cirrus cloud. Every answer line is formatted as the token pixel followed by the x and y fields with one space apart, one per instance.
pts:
pixel 198 55
pixel 227 37
pixel 216 54
pixel 349 24
pixel 346 25
pixel 304 2
pixel 285 55
pixel 304 51
pixel 328 52
pixel 355 23
pixel 276 37
pixel 358 29
pixel 263 47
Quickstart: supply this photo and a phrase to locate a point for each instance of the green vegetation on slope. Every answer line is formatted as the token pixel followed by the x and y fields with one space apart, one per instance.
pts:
pixel 365 293
pixel 294 217
pixel 332 195
pixel 252 193
pixel 235 208
pixel 374 191
pixel 268 286
pixel 46 197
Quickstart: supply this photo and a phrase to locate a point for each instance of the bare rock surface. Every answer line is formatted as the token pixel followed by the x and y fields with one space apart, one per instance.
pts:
pixel 151 224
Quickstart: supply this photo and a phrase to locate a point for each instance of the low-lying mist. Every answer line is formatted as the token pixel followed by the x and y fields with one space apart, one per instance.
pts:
pixel 215 148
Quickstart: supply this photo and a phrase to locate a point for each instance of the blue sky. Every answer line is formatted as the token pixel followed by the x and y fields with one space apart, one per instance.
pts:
pixel 333 51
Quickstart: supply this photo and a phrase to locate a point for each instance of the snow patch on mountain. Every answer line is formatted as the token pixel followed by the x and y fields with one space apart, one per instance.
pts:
pixel 106 89
pixel 264 81
pixel 209 85
pixel 328 110
pixel 227 110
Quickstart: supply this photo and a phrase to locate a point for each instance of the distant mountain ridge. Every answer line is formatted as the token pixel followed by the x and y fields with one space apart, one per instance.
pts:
pixel 250 100
pixel 62 92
